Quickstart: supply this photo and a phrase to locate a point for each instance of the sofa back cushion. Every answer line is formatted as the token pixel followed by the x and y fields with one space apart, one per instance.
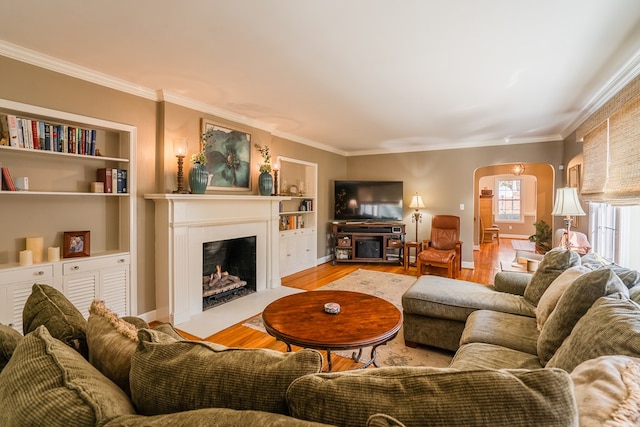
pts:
pixel 552 265
pixel 436 396
pixel 9 339
pixel 170 376
pixel 550 298
pixel 46 383
pixel 572 305
pixel 610 327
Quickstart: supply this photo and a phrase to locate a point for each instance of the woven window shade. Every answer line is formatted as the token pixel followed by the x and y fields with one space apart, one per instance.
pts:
pixel 623 185
pixel 596 160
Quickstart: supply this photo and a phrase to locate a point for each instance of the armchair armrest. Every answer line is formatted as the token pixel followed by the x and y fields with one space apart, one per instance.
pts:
pixel 511 282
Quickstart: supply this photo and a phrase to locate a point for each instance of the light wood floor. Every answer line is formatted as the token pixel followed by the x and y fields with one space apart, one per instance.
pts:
pixel 486 262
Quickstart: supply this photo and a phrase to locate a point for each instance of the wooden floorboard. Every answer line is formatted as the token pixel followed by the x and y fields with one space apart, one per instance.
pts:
pixel 486 261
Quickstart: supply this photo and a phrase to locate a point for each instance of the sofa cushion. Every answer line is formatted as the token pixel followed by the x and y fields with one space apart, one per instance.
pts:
pixel 170 376
pixel 549 299
pixel 49 307
pixel 46 383
pixel 552 265
pixel 218 417
pixel 607 391
pixel 629 277
pixel 503 329
pixel 479 355
pixel 383 420
pixel 435 396
pixel 610 327
pixel 9 339
pixel 573 304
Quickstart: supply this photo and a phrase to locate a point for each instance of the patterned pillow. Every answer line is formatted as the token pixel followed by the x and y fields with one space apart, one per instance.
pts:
pixel 171 376
pixel 435 396
pixel 607 391
pixel 49 307
pixel 610 327
pixel 9 339
pixel 46 383
pixel 573 304
pixel 550 298
pixel 552 265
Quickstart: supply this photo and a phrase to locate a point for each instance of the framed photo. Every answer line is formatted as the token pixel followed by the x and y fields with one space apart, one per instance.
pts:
pixel 228 155
pixel 76 244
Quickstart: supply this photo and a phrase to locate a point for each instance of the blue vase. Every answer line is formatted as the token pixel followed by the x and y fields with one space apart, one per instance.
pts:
pixel 265 184
pixel 198 178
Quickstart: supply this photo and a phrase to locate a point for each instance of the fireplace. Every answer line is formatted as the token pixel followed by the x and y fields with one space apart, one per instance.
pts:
pixel 228 270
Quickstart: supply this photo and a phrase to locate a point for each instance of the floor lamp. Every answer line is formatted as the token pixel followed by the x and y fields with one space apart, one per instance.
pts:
pixel 567 205
pixel 416 203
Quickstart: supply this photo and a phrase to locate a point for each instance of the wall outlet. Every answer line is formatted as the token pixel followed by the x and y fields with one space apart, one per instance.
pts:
pixel 461 206
pixel 510 227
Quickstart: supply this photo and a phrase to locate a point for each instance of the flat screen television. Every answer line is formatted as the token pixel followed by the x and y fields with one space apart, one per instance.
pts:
pixel 370 201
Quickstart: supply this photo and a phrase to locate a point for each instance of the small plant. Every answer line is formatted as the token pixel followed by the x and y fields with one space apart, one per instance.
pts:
pixel 199 158
pixel 265 166
pixel 542 237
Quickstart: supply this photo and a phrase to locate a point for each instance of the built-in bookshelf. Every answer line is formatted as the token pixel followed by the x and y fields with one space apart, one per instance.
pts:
pixel 62 196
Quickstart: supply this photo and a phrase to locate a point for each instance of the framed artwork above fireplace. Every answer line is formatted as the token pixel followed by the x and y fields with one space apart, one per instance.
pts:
pixel 228 154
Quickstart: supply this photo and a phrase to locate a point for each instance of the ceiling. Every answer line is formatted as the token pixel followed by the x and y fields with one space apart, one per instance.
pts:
pixel 351 76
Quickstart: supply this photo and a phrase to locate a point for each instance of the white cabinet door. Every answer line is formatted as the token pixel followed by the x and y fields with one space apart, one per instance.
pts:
pixel 288 256
pixel 15 288
pixel 305 248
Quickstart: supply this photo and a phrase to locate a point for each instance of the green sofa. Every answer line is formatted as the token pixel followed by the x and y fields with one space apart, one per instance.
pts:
pixel 110 371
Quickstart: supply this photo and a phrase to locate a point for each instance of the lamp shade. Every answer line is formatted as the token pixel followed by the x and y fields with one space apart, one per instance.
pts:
pixel 416 202
pixel 180 146
pixel 567 203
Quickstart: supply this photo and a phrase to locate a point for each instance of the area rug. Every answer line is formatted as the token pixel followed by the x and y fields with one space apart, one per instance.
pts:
pixel 388 286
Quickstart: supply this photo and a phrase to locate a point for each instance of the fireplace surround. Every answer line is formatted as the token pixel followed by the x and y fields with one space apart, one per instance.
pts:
pixel 184 222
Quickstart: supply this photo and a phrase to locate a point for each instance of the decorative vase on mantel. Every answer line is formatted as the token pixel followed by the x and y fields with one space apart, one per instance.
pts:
pixel 198 178
pixel 265 184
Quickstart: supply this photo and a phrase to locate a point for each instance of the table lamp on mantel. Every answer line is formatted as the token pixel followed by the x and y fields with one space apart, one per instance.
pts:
pixel 567 205
pixel 180 147
pixel 417 204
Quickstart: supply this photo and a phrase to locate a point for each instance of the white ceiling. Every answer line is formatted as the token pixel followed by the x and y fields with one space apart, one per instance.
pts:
pixel 355 76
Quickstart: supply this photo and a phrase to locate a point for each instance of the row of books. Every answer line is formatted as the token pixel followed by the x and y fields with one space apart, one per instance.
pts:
pixel 291 222
pixel 38 135
pixel 113 179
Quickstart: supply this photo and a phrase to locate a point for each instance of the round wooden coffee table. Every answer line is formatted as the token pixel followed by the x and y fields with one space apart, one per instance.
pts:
pixel 364 321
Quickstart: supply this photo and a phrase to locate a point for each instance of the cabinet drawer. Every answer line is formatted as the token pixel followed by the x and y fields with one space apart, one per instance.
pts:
pixel 394 243
pixel 73 267
pixel 24 274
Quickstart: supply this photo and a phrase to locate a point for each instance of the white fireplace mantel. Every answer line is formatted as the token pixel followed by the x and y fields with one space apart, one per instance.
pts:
pixel 183 222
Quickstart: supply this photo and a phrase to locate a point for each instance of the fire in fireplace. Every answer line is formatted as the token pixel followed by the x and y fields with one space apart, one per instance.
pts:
pixel 228 270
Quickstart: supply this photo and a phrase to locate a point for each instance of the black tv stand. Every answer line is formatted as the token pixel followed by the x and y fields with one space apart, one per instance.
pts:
pixel 380 242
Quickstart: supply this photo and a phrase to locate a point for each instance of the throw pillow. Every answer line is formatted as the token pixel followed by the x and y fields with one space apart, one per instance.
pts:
pixel 46 383
pixel 49 307
pixel 9 339
pixel 433 396
pixel 555 290
pixel 552 265
pixel 170 376
pixel 572 305
pixel 382 420
pixel 628 276
pixel 607 391
pixel 610 327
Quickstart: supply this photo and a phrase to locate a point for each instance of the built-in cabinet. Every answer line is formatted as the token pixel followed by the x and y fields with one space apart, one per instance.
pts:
pixel 61 197
pixel 368 242
pixel 298 181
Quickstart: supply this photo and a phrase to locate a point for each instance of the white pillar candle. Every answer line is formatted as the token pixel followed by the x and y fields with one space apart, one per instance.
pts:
pixel 53 254
pixel 36 246
pixel 26 257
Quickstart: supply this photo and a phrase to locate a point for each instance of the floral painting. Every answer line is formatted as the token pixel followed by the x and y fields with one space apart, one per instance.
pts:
pixel 228 154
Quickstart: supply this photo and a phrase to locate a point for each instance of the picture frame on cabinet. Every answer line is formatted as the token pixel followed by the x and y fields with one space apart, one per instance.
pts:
pixel 76 244
pixel 228 154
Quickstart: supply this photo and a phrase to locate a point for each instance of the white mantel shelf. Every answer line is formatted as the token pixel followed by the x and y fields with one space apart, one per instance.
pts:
pixel 183 222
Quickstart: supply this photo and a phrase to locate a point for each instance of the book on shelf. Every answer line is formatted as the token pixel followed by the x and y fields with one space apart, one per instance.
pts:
pixel 122 180
pixel 105 175
pixel 10 124
pixel 7 181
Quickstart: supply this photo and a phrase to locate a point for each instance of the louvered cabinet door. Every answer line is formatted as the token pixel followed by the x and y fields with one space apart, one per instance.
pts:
pixel 15 288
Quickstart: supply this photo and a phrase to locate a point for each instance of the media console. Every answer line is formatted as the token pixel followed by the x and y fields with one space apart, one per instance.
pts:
pixel 368 242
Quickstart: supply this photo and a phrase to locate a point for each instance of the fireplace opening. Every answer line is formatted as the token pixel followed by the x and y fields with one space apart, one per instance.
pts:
pixel 228 270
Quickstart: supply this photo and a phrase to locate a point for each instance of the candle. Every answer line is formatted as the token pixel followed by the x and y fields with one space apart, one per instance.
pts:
pixel 26 257
pixel 36 246
pixel 53 254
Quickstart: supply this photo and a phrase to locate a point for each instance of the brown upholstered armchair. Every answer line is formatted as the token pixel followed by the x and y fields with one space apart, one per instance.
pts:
pixel 444 249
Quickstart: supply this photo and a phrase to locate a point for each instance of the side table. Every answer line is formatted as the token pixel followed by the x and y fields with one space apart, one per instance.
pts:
pixel 416 245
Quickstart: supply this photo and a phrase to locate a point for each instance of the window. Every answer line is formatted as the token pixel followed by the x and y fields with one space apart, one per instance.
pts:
pixel 509 200
pixel 614 234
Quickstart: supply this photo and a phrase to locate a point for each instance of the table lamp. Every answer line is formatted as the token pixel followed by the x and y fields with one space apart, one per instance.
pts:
pixel 567 205
pixel 417 204
pixel 180 146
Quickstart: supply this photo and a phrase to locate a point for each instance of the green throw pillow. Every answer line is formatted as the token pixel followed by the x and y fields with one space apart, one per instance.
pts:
pixel 610 327
pixel 49 307
pixel 436 397
pixel 552 265
pixel 171 376
pixel 9 339
pixel 46 383
pixel 572 305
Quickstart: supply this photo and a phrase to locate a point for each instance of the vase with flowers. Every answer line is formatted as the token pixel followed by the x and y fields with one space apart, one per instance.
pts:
pixel 198 175
pixel 265 180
